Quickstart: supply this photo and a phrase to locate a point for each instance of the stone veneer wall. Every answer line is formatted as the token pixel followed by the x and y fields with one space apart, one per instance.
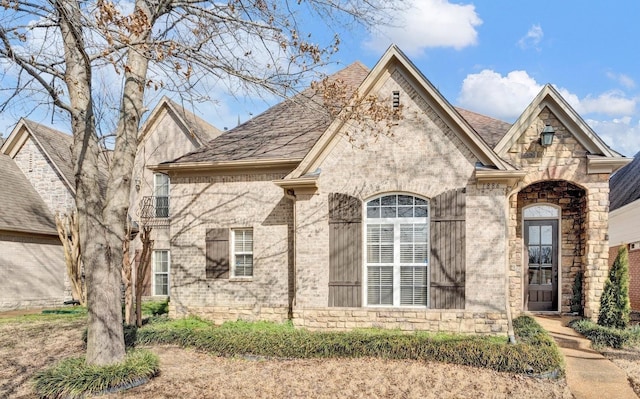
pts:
pixel 44 178
pixel 571 235
pixel 450 321
pixel 564 160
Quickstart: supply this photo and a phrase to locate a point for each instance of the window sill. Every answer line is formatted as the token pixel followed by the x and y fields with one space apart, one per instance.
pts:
pixel 240 279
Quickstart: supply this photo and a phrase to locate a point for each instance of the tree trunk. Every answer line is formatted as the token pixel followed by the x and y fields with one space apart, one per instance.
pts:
pixel 102 260
pixel 128 279
pixel 143 269
pixel 67 226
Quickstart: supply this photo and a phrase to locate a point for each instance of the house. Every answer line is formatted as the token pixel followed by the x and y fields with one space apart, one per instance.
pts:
pixel 168 132
pixel 442 219
pixel 32 267
pixel 624 219
pixel 39 158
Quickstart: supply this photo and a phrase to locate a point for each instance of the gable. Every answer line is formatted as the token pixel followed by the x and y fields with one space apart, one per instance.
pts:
pixel 394 64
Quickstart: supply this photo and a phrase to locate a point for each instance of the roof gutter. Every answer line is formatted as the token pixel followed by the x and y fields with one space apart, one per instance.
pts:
pixel 604 164
pixel 236 166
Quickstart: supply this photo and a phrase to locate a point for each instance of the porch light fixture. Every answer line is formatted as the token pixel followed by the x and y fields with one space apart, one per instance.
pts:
pixel 546 136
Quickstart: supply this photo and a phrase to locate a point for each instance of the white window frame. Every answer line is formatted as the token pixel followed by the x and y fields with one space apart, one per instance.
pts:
pixel 396 222
pixel 155 272
pixel 156 188
pixel 234 253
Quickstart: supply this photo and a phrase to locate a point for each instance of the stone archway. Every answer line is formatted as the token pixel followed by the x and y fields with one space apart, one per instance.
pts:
pixel 572 202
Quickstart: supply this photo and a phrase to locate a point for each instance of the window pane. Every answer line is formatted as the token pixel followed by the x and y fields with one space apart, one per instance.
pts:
pixel 534 234
pixel 534 276
pixel 405 212
pixel 373 211
pixel 534 255
pixel 420 201
pixel 545 255
pixel 243 252
pixel 388 212
pixel 380 285
pixel 541 211
pixel 389 200
pixel 421 212
pixel 405 200
pixel 161 261
pixel 161 284
pixel 413 285
pixel 545 235
pixel 545 276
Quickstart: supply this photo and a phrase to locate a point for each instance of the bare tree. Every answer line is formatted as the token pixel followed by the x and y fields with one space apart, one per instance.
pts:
pixel 67 226
pixel 55 51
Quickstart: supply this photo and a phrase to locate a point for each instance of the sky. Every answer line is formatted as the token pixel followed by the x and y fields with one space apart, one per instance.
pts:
pixel 494 56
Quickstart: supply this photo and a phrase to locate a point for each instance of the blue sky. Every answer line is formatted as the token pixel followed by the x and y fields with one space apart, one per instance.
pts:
pixel 494 56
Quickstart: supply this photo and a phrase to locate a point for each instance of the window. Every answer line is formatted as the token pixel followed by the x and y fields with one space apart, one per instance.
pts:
pixel 242 252
pixel 161 272
pixel 161 195
pixel 397 254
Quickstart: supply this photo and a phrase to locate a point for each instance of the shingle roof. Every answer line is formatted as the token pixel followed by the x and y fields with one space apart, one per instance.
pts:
pixel 287 130
pixel 57 145
pixel 624 185
pixel 491 130
pixel 22 208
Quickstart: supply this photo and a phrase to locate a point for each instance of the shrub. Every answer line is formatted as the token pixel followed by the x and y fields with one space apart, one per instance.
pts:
pixel 72 378
pixel 614 303
pixel 604 336
pixel 155 308
pixel 576 298
pixel 537 353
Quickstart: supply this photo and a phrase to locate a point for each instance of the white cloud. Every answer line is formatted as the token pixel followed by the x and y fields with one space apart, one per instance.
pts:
pixel 613 103
pixel 532 38
pixel 503 97
pixel 429 23
pixel 624 80
pixel 620 134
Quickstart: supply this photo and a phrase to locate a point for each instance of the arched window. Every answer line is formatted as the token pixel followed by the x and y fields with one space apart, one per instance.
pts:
pixel 397 251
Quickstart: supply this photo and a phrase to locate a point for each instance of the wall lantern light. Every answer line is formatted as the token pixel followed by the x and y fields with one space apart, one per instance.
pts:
pixel 546 136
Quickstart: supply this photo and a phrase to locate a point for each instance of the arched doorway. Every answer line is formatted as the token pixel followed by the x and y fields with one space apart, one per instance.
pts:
pixel 551 218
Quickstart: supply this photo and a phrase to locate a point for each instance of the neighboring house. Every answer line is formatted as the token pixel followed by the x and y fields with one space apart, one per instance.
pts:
pixel 624 222
pixel 32 268
pixel 442 223
pixel 169 132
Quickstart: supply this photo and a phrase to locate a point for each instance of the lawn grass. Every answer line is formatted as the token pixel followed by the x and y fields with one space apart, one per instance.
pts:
pixel 536 353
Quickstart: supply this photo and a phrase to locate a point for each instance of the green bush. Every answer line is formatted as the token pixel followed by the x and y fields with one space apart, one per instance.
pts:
pixel 155 308
pixel 605 336
pixel 537 353
pixel 615 306
pixel 72 378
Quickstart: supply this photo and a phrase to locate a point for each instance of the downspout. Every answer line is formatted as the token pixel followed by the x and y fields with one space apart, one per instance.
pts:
pixel 510 331
pixel 290 194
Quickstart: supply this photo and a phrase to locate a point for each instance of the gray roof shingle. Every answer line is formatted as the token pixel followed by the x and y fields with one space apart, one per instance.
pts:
pixel 491 130
pixel 624 185
pixel 287 130
pixel 22 208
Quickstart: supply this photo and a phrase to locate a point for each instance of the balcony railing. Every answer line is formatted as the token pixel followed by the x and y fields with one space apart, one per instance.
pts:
pixel 154 207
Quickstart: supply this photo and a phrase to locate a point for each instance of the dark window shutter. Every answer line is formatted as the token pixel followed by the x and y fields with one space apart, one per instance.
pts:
pixel 217 250
pixel 345 251
pixel 447 262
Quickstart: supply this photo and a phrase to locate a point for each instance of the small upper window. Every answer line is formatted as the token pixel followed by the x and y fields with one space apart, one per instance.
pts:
pixel 161 195
pixel 161 272
pixel 242 252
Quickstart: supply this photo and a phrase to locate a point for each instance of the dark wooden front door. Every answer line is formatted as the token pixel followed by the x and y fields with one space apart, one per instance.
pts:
pixel 541 244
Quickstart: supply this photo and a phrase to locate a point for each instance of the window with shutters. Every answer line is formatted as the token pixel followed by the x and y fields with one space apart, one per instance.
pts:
pixel 242 244
pixel 160 263
pixel 397 251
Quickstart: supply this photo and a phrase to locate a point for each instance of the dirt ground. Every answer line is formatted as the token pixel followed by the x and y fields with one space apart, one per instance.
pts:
pixel 628 360
pixel 29 347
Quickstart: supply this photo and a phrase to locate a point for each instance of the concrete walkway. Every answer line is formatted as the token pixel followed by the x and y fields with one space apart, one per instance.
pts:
pixel 589 374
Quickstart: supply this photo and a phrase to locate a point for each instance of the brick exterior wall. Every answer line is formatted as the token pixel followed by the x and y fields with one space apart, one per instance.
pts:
pixel 423 157
pixel 44 178
pixel 564 160
pixel 240 201
pixel 634 274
